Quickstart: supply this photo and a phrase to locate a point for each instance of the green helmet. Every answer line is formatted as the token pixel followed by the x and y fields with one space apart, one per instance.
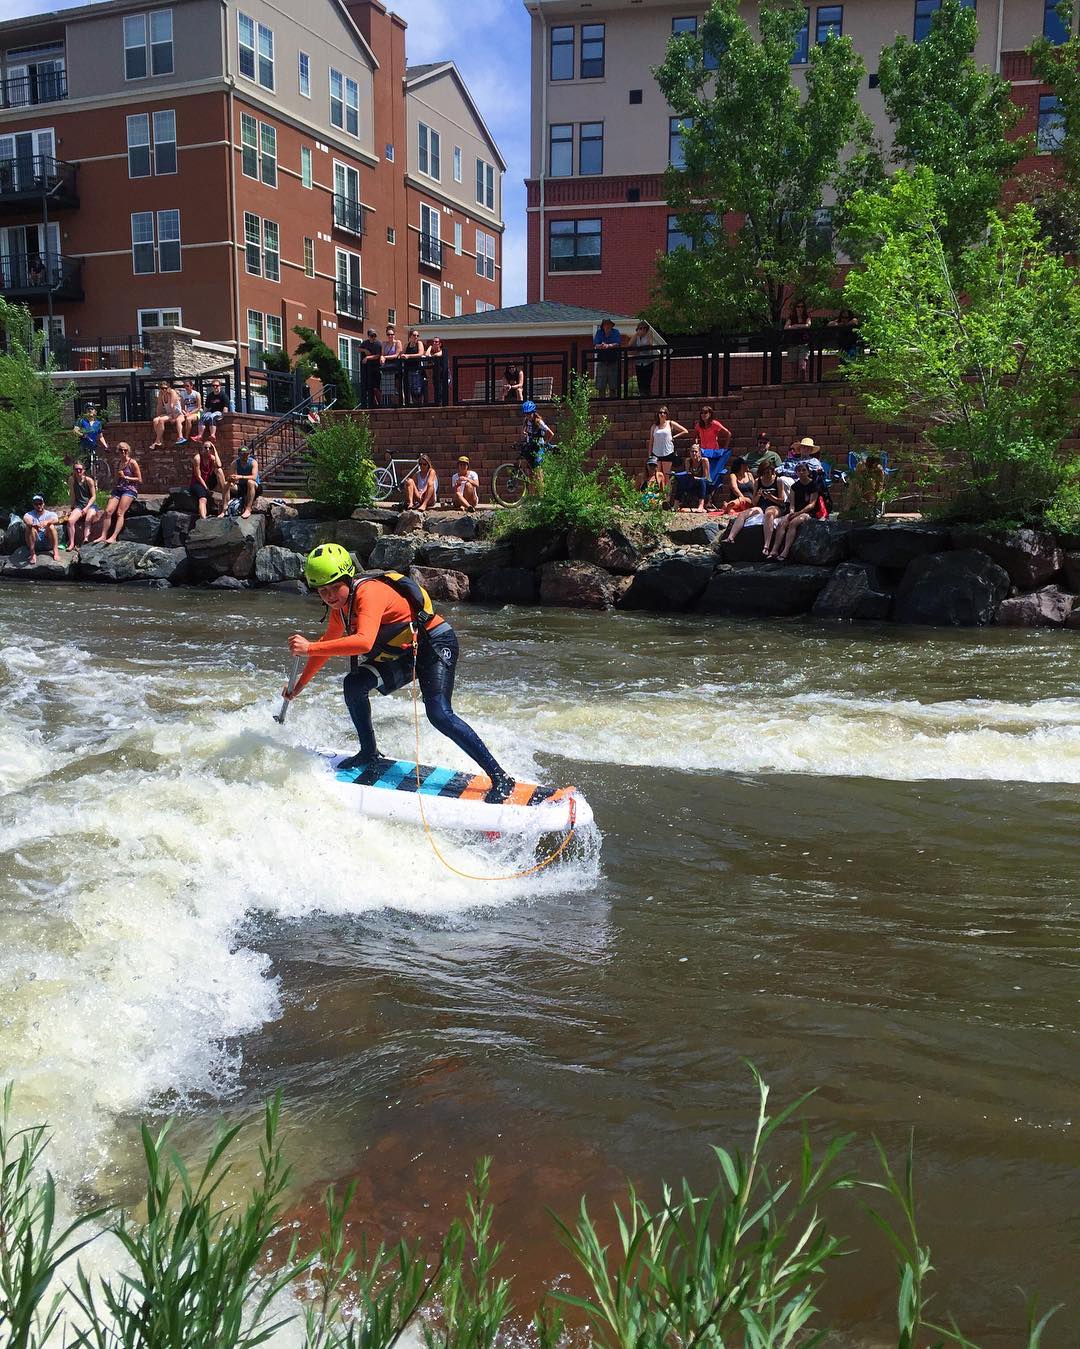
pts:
pixel 327 563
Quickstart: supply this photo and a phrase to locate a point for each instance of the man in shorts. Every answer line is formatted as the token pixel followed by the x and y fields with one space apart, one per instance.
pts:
pixel 214 409
pixel 40 527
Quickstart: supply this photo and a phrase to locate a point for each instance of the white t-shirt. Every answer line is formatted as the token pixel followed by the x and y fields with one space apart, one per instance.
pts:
pixel 471 476
pixel 39 519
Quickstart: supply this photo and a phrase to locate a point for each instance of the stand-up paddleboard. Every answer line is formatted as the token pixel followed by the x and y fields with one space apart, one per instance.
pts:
pixel 451 800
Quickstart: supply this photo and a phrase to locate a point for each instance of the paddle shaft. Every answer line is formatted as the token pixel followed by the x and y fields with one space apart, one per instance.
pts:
pixel 294 675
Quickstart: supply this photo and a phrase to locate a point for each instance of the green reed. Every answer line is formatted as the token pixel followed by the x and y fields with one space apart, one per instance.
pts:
pixel 742 1264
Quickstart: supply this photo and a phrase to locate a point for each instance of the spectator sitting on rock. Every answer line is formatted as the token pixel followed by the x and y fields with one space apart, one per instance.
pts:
pixel 422 486
pixel 191 407
pixel 466 486
pixel 206 470
pixel 801 452
pixel 214 409
pixel 244 480
pixel 128 481
pixel 766 505
pixel 84 511
pixel 690 486
pixel 653 485
pixel 805 503
pixel 763 452
pixel 167 413
pixel 737 488
pixel 862 501
pixel 41 529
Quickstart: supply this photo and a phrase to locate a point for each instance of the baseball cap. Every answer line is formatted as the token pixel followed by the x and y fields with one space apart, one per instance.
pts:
pixel 38 497
pixel 463 458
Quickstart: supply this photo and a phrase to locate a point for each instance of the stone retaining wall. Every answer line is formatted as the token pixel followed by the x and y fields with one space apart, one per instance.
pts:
pixel 909 572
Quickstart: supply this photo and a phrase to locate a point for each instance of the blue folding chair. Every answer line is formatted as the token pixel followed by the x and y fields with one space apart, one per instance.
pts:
pixel 718 462
pixel 855 458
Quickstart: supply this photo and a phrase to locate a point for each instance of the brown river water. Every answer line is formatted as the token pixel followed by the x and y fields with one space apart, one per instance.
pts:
pixel 848 856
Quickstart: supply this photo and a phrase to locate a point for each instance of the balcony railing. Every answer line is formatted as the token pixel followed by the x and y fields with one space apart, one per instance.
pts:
pixel 429 316
pixel 349 300
pixel 349 215
pixel 25 180
pixel 28 276
pixel 98 353
pixel 430 251
pixel 23 91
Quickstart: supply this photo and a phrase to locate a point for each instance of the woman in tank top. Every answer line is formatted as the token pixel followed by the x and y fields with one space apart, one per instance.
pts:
pixel 661 443
pixel 83 511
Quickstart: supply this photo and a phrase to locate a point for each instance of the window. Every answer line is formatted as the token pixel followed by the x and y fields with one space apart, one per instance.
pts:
pixel 305 74
pixel 457 163
pixel 389 152
pixel 245 37
pixel 675 236
pixel 560 151
pixel 142 242
pixel 482 306
pixel 680 26
pixel 819 234
pixel 676 151
pixel 801 55
pixel 249 145
pixel 485 184
pixel 168 233
pixel 271 250
pixel 268 153
pixel 635 96
pixel 591 147
pixel 349 293
pixel 574 246
pixel 344 103
pixel 1054 27
pixel 924 15
pixel 391 318
pixel 428 151
pixel 252 244
pixel 1051 133
pixel 430 245
pixel 352 107
pixel 273 332
pixel 306 176
pixel 391 234
pixel 351 355
pixel 256 336
pixel 157 318
pixel 430 302
pixel 485 254
pixel 309 256
pixel 830 23
pixel 138 140
pixel 562 53
pixel 165 141
pixel 592 51
pixel 256 43
pixel 145 257
pixel 458 306
pixel 457 237
pixel 143 57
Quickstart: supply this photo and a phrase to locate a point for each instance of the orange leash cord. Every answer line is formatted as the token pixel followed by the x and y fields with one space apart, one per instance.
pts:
pixel 468 875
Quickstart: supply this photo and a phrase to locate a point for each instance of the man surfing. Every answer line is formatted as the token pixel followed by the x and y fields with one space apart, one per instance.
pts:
pixel 376 621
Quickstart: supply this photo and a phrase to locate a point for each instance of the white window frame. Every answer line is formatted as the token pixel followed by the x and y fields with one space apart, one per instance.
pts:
pixel 143 242
pixel 273 323
pixel 459 306
pixel 256 345
pixel 268 165
pixel 157 237
pixel 457 163
pixel 485 184
pixel 348 101
pixel 139 122
pixel 140 322
pixel 162 239
pixel 158 119
pixel 428 311
pixel 259 34
pixel 149 42
pixel 489 269
pixel 457 238
pixel 309 255
pixel 252 244
pixel 307 167
pixel 303 74
pixel 428 152
pixel 271 251
pixel 249 127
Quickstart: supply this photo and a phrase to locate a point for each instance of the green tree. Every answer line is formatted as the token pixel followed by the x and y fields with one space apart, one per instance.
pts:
pixel 33 436
pixel 313 352
pixel 342 474
pixel 760 159
pixel 953 117
pixel 1056 190
pixel 978 352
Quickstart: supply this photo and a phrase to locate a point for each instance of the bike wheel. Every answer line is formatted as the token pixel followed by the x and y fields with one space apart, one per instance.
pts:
pixel 384 484
pixel 508 484
pixel 102 474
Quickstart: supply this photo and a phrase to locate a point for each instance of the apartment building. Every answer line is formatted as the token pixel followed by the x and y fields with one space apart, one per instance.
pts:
pixel 602 134
pixel 238 168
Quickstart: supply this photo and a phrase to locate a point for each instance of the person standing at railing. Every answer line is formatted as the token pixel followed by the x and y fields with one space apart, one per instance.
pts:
pixel 415 381
pixel 644 357
pixel 391 366
pixel 607 342
pixel 440 371
pixel 371 370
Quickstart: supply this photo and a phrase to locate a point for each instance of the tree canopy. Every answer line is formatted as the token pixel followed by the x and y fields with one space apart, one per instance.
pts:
pixel 1056 191
pixel 33 434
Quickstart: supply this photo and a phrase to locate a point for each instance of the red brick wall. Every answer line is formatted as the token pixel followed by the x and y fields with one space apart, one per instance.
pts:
pixel 166 469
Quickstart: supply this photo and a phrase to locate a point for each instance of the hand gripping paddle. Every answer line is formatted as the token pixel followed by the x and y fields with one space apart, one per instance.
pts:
pixel 297 665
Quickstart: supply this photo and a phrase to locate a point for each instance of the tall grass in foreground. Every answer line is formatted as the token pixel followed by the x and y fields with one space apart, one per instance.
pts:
pixel 742 1265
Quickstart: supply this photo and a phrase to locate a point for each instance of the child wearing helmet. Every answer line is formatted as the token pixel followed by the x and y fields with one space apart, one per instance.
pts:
pixel 535 433
pixel 388 627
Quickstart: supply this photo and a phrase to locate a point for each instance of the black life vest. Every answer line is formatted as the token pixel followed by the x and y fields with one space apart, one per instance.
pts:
pixel 394 640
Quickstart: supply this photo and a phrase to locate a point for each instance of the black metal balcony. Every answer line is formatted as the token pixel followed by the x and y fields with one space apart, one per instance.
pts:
pixel 31 276
pixel 23 91
pixel 349 300
pixel 429 316
pixel 24 182
pixel 349 215
pixel 431 251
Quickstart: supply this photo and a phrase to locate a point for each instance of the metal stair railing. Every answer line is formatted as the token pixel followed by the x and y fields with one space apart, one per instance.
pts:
pixel 291 428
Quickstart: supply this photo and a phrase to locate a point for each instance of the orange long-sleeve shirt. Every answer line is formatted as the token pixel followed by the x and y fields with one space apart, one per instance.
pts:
pixel 376 603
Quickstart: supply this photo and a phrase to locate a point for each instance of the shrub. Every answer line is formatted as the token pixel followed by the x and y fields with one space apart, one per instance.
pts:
pixel 33 437
pixel 313 353
pixel 342 474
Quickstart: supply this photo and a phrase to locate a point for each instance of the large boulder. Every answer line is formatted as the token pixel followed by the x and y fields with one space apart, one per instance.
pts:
pixel 897 543
pixel 855 590
pixel 533 547
pixel 822 543
pixel 376 515
pixel 745 547
pixel 671 579
pixel 451 586
pixel 1071 567
pixel 472 558
pixel 774 590
pixel 358 536
pixel 453 525
pixel 577 585
pixel 182 500
pixel 14 537
pixel 110 562
pixel 408 522
pixel 1048 608
pixel 225 547
pixel 295 534
pixel 228 583
pixel 1029 556
pixel 19 567
pixel 274 563
pixel 395 552
pixel 143 529
pixel 277 512
pixel 507 585
pixel 151 503
pixel 163 564
pixel 619 548
pixel 687 529
pixel 959 589
pixel 175 528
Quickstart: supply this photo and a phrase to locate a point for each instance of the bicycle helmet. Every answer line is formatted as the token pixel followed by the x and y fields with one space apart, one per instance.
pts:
pixel 528 406
pixel 327 563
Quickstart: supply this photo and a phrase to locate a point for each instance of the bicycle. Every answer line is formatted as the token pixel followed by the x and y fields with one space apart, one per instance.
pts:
pixel 387 481
pixel 97 467
pixel 512 480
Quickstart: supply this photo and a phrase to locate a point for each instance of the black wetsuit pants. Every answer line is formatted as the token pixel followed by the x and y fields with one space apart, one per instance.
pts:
pixel 436 662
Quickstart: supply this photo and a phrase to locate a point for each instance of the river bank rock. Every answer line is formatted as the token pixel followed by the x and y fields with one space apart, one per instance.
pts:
pixel 1029 556
pixel 618 549
pixel 408 522
pixel 822 543
pixel 175 528
pixel 897 544
pixel 745 549
pixel 771 591
pixel 228 583
pixel 576 585
pixel 168 565
pixel 295 534
pixel 358 536
pixel 152 503
pixel 449 586
pixel 225 547
pixel 671 579
pixel 274 563
pixel 689 529
pixel 395 552
pixel 1070 565
pixel 110 562
pixel 1048 608
pixel 143 529
pixel 958 590
pixel 14 537
pixel 18 566
pixel 855 590
pixel 453 525
pixel 377 515
pixel 472 558
pixel 534 547
pixel 507 585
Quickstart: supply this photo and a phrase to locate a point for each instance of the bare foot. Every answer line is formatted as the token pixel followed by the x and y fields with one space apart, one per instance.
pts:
pixel 245 515
pixel 32 559
pixel 56 555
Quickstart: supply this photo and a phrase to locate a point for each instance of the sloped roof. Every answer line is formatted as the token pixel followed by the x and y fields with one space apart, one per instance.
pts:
pixel 418 72
pixel 415 75
pixel 541 311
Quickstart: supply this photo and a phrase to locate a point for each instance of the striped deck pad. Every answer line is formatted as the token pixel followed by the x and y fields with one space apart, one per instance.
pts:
pixel 400 776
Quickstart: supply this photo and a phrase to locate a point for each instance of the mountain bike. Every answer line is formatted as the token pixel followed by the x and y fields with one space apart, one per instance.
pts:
pixel 97 467
pixel 512 480
pixel 387 481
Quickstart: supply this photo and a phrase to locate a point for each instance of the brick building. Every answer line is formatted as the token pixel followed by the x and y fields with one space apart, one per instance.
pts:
pixel 239 168
pixel 602 135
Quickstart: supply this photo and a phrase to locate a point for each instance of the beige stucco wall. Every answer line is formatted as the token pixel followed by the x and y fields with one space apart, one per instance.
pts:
pixel 439 104
pixel 95 50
